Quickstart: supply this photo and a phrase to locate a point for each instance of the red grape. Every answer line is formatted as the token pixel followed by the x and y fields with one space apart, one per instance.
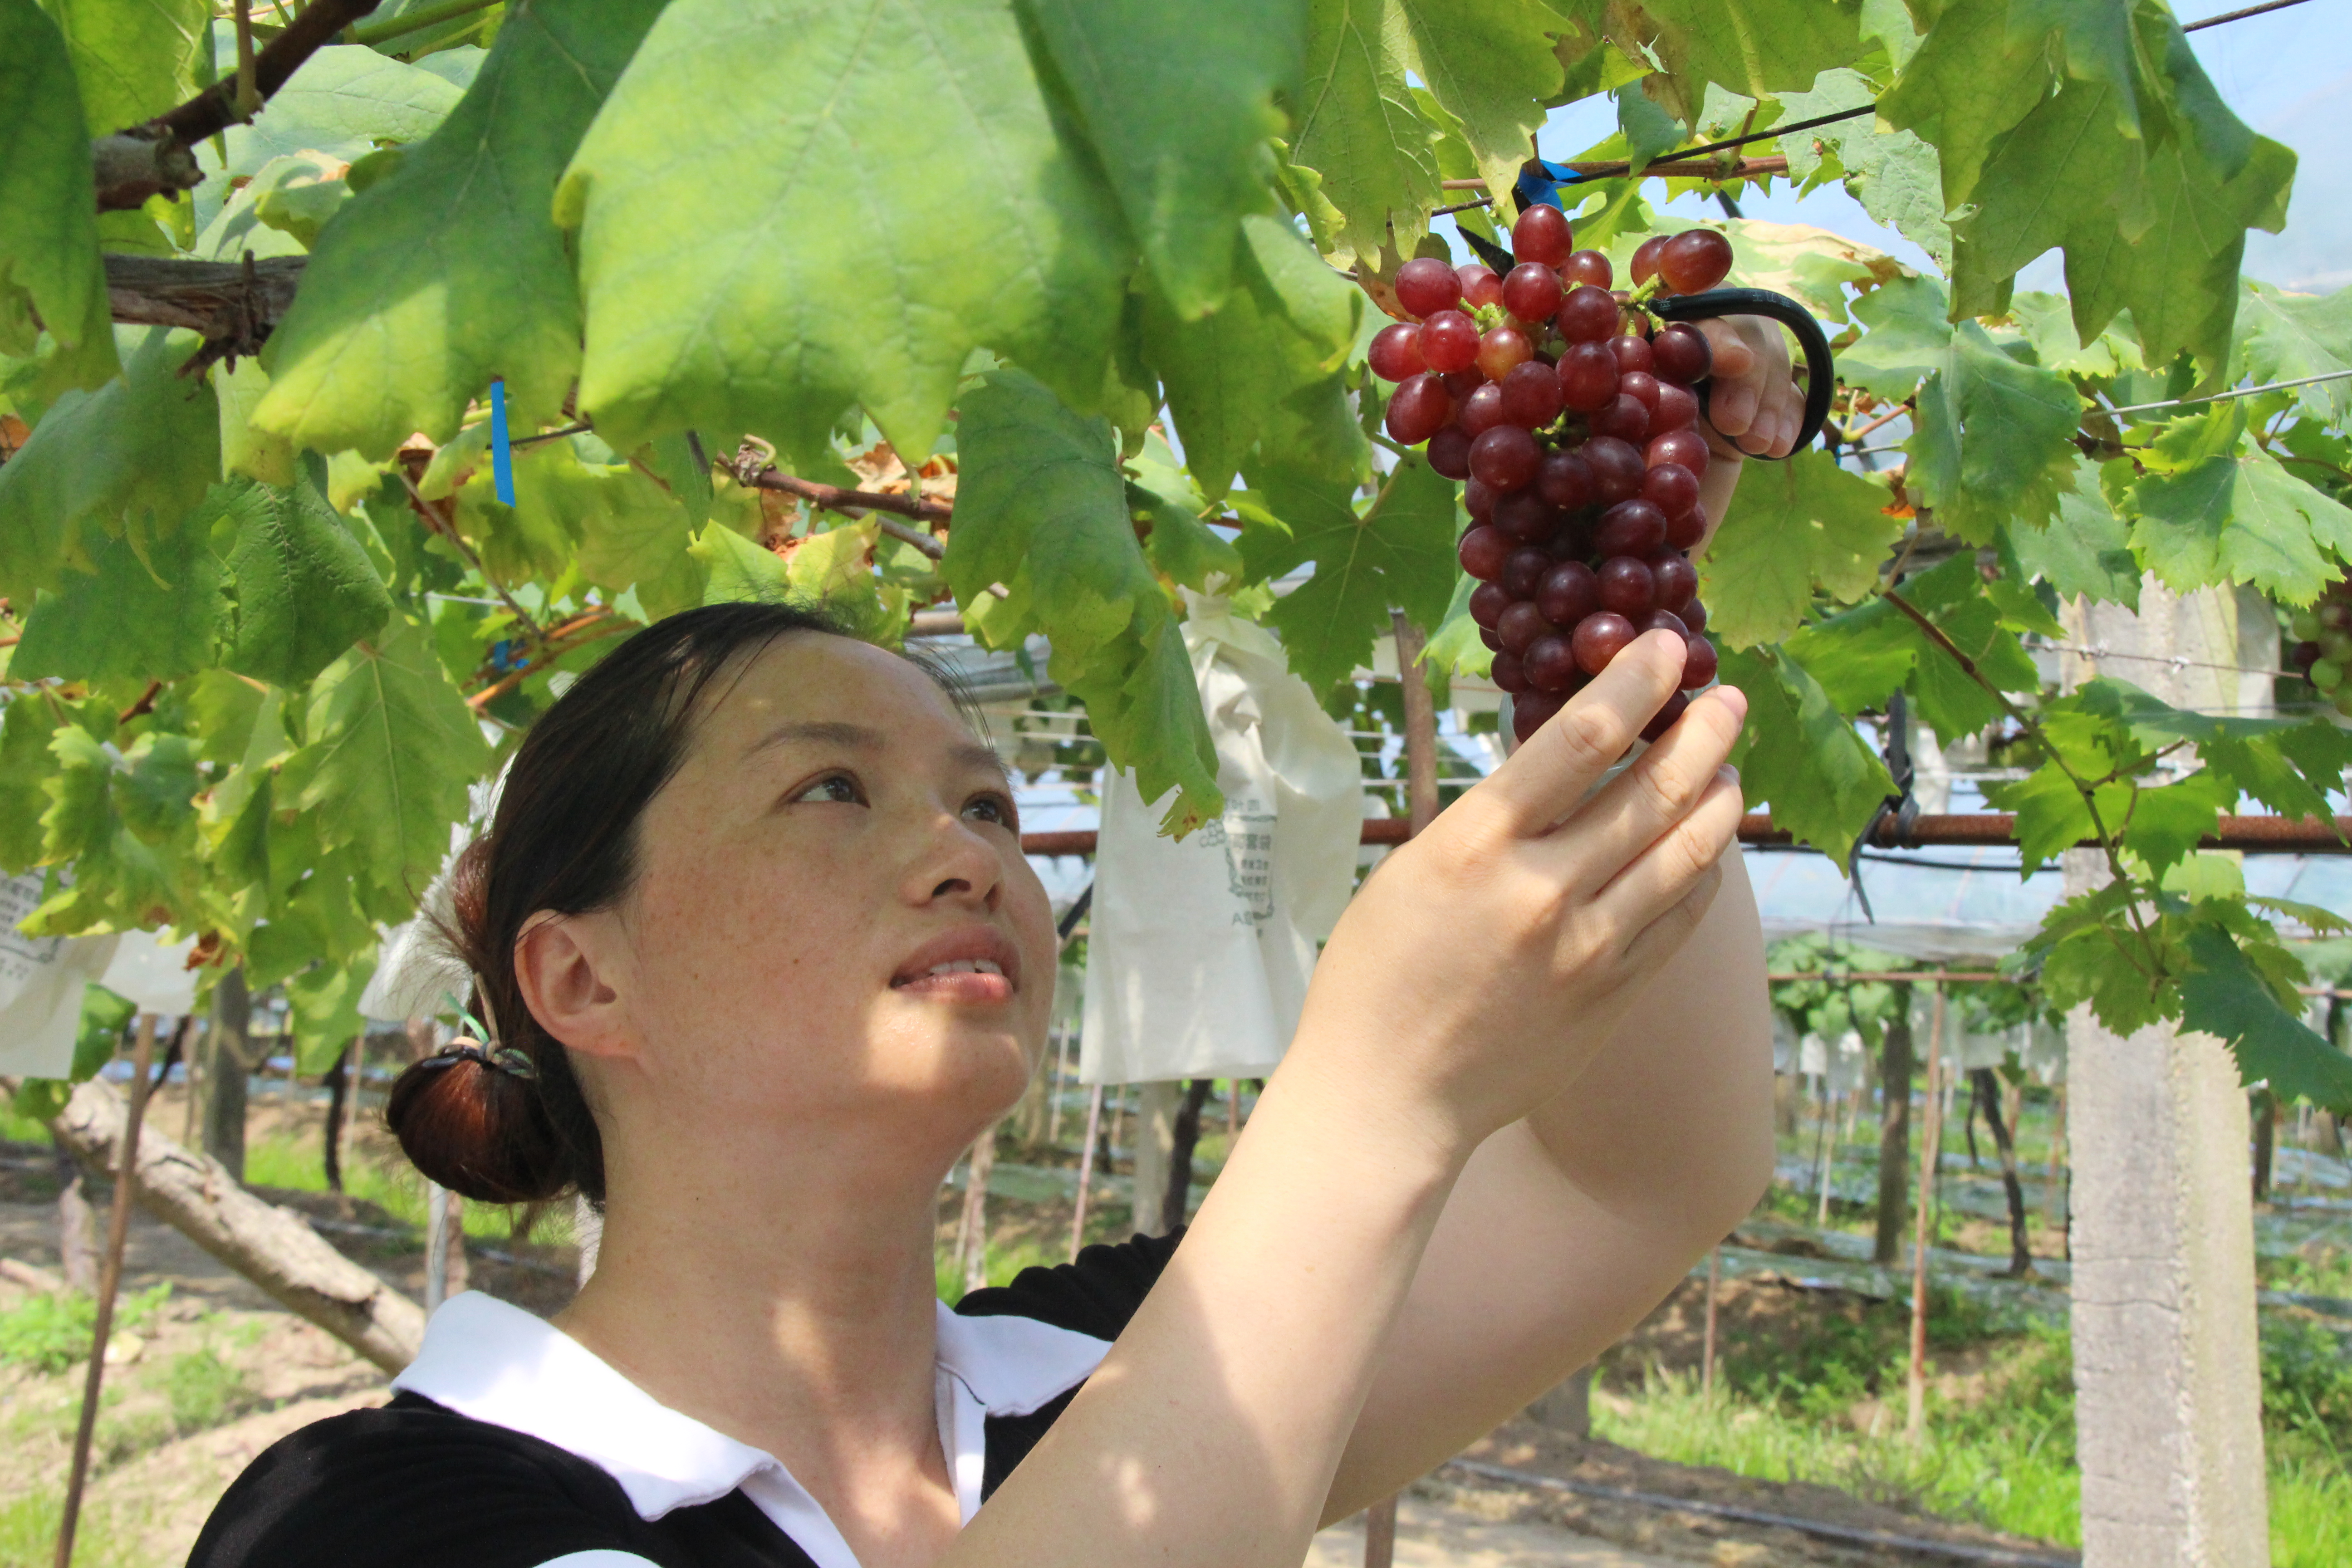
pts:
pixel 1534 710
pixel 1488 602
pixel 1449 342
pixel 1627 587
pixel 1509 674
pixel 1693 615
pixel 1565 479
pixel 1395 353
pixel 1640 385
pixel 1666 621
pixel 1588 315
pixel 1551 665
pixel 1425 286
pixel 1664 718
pixel 1531 290
pixel 1586 267
pixel 1686 448
pixel 1694 261
pixel 1521 625
pixel 1632 352
pixel 1617 469
pixel 1503 350
pixel 1677 582
pixel 1493 643
pixel 1645 265
pixel 1523 572
pixel 1449 452
pixel 1624 417
pixel 1482 551
pixel 1588 377
pixel 1598 639
pixel 1633 527
pixel 1506 457
pixel 1478 501
pixel 1531 395
pixel 1481 411
pixel 1542 234
pixel 2306 655
pixel 1699 663
pixel 1480 287
pixel 1524 515
pixel 1677 409
pixel 1670 487
pixel 1418 409
pixel 1461 384
pixel 1569 592
pixel 1679 353
pixel 1688 530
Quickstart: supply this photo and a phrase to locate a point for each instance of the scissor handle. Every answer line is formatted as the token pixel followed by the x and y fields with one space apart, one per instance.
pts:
pixel 1821 368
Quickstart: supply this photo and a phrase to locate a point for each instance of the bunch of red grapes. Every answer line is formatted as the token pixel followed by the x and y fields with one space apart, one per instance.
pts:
pixel 1576 429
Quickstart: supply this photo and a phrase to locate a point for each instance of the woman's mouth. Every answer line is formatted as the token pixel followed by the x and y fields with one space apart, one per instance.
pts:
pixel 970 966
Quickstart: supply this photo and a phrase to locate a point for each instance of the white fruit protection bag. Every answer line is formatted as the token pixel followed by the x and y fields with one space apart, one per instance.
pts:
pixel 1199 950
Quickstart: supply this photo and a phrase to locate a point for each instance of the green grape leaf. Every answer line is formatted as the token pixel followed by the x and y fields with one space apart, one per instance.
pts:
pixel 1792 529
pixel 26 726
pixel 2086 553
pixel 324 1002
pixel 2052 815
pixel 1972 78
pixel 736 568
pixel 2164 823
pixel 344 102
pixel 1894 174
pixel 1855 654
pixel 1357 128
pixel 1994 439
pixel 1800 757
pixel 1179 100
pixel 303 586
pixel 1265 370
pixel 153 619
pixel 1490 63
pixel 451 271
pixel 390 748
pixel 1041 509
pixel 715 302
pixel 1455 649
pixel 122 877
pixel 1757 47
pixel 2213 507
pixel 98 1036
pixel 143 446
pixel 48 248
pixel 1908 338
pixel 1179 545
pixel 2226 995
pixel 2290 765
pixel 2048 323
pixel 2284 337
pixel 134 58
pixel 1397 552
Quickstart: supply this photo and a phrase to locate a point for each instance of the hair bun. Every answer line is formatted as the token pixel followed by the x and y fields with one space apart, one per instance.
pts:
pixel 478 1131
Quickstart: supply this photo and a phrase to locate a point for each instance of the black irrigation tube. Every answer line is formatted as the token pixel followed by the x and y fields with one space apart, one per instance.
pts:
pixel 1961 1551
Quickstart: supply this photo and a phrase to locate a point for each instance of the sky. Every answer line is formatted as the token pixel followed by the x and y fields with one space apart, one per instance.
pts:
pixel 2288 74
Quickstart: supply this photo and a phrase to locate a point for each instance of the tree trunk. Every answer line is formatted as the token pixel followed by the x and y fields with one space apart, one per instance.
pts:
pixel 1566 1409
pixel 1988 1093
pixel 1177 1198
pixel 77 1225
pixel 1893 1130
pixel 274 1248
pixel 2265 1110
pixel 1968 1123
pixel 227 1061
pixel 338 1089
pixel 1156 1105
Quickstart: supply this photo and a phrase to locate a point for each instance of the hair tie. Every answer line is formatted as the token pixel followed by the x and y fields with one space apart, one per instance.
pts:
pixel 504 1060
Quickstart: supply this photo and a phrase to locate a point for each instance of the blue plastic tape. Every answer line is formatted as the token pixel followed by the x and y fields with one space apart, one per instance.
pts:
pixel 501 451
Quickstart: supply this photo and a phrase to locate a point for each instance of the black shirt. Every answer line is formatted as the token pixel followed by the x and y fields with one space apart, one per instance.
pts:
pixel 508 1445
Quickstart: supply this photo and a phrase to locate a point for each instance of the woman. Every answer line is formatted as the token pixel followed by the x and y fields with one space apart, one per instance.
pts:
pixel 762 956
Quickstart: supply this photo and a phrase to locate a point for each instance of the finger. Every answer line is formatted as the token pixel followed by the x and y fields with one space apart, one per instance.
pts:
pixel 1657 879
pixel 1550 774
pixel 1733 356
pixel 1645 802
pixel 1732 407
pixel 1659 941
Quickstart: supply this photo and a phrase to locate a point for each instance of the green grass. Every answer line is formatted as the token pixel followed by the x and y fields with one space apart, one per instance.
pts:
pixel 297 1164
pixel 50 1332
pixel 28 1535
pixel 204 1390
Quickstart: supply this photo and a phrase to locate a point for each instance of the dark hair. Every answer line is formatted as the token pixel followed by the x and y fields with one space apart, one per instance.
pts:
pixel 564 838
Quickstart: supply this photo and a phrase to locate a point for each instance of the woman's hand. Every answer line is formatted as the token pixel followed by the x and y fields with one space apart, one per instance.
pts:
pixel 1754 405
pixel 1478 972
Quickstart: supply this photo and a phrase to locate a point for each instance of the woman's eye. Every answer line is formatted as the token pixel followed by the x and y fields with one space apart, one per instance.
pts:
pixel 991 808
pixel 838 788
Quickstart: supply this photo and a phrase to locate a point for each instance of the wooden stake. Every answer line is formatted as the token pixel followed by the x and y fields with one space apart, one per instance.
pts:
pixel 110 1281
pixel 1380 1533
pixel 1086 1170
pixel 1707 1354
pixel 1420 725
pixel 1915 1426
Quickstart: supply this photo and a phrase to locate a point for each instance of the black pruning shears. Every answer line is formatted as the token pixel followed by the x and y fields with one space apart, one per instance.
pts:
pixel 1821 367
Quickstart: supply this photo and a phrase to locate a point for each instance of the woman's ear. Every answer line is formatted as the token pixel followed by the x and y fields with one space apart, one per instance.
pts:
pixel 565 966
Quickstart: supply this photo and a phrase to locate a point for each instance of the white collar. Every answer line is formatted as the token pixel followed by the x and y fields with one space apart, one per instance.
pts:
pixel 494 1362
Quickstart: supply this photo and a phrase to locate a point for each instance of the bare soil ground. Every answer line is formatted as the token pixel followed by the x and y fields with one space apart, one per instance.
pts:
pixel 219 1373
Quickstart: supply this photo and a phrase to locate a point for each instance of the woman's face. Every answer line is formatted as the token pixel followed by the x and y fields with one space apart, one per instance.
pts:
pixel 832 924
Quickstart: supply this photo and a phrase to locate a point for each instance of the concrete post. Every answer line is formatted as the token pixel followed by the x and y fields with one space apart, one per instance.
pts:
pixel 1155 1147
pixel 2168 1384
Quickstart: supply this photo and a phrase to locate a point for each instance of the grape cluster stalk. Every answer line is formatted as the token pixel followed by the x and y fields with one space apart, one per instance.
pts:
pixel 1573 424
pixel 2323 649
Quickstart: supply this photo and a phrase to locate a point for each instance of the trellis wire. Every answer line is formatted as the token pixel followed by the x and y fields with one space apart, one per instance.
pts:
pixel 2235 392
